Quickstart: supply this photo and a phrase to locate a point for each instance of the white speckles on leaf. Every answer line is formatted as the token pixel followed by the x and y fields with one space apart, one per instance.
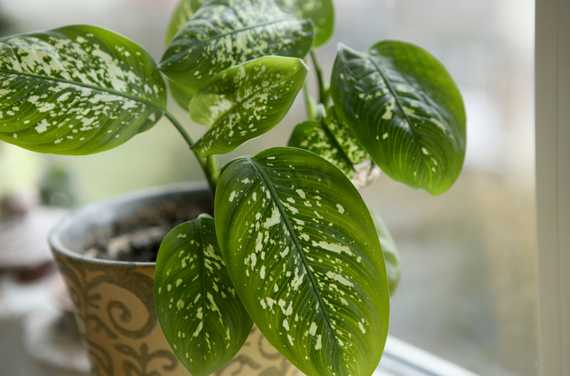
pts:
pixel 201 301
pixel 361 327
pixel 180 304
pixel 319 342
pixel 255 96
pixel 42 126
pixel 301 193
pixel 77 94
pixel 320 12
pixel 416 103
pixel 232 196
pixel 313 329
pixel 228 33
pixel 45 107
pixel 389 110
pixel 339 278
pixel 335 142
pixel 310 264
pixel 274 219
pixel 262 272
pixel 333 247
pixel 198 329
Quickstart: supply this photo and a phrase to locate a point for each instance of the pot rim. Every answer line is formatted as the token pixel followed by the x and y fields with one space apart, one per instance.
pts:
pixel 54 237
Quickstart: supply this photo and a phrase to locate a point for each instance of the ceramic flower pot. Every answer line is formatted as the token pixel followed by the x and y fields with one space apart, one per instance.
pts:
pixel 114 299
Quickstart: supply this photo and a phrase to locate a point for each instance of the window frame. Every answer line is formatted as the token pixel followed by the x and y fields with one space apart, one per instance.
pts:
pixel 552 133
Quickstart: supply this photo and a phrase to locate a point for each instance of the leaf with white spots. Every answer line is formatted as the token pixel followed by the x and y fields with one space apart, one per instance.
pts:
pixel 246 101
pixel 76 90
pixel 181 14
pixel 305 259
pixel 320 12
pixel 391 254
pixel 335 142
pixel 197 306
pixel 405 109
pixel 225 33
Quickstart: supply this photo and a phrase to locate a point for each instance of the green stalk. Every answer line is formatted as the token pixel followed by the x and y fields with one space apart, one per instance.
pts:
pixel 309 103
pixel 320 79
pixel 208 164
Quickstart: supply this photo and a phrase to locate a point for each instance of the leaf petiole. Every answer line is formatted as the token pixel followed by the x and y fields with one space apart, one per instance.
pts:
pixel 208 164
pixel 309 103
pixel 320 79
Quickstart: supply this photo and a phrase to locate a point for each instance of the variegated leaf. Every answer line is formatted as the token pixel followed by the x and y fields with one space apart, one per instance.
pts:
pixel 180 16
pixel 312 135
pixel 304 256
pixel 406 110
pixel 76 90
pixel 197 306
pixel 335 142
pixel 245 101
pixel 225 33
pixel 391 254
pixel 320 12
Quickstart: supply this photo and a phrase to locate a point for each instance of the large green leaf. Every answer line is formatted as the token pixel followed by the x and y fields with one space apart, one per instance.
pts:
pixel 245 101
pixel 335 142
pixel 197 306
pixel 406 110
pixel 180 16
pixel 225 33
pixel 391 254
pixel 320 12
pixel 303 253
pixel 76 90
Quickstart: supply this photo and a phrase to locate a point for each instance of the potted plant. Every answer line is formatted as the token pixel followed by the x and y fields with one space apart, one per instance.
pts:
pixel 281 241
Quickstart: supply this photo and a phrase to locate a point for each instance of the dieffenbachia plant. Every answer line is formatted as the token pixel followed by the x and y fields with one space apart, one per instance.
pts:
pixel 292 248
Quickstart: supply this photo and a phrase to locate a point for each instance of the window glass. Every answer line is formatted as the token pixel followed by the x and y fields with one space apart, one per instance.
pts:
pixel 468 257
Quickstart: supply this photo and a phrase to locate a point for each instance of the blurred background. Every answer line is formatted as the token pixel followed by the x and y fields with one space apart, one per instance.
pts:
pixel 468 257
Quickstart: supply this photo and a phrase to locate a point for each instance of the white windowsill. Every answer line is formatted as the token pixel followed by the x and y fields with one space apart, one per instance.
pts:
pixel 403 359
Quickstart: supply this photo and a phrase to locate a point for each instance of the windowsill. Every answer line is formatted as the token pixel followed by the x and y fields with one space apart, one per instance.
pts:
pixel 402 359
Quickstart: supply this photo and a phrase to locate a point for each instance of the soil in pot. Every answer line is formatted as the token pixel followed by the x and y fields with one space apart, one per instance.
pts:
pixel 137 238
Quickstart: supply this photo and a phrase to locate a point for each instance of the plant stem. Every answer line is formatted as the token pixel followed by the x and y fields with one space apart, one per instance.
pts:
pixel 180 128
pixel 212 171
pixel 208 164
pixel 309 103
pixel 320 80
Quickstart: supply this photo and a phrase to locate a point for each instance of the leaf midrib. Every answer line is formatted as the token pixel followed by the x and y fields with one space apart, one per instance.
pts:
pixel 336 143
pixel 393 93
pixel 250 27
pixel 203 277
pixel 267 182
pixel 243 30
pixel 84 85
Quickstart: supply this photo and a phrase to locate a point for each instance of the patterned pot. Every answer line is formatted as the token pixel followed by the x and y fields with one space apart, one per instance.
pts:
pixel 114 299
